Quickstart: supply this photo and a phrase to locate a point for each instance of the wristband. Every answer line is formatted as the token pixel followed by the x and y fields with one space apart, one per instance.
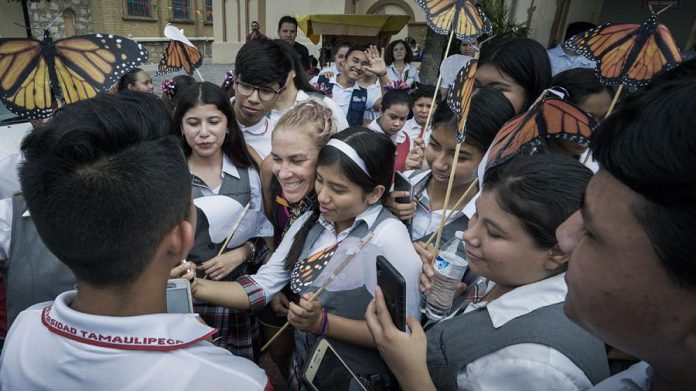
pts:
pixel 323 323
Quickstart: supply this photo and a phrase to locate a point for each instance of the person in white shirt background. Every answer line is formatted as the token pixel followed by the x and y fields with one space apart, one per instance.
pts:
pixel 396 105
pixel 632 273
pixel 563 59
pixel 113 332
pixel 451 65
pixel 400 66
pixel 339 56
pixel 513 247
pixel 353 173
pixel 422 101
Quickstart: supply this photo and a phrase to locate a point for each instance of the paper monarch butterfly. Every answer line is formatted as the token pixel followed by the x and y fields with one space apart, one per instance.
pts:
pixel 628 54
pixel 550 119
pixel 307 270
pixel 459 95
pixel 37 73
pixel 179 54
pixel 462 16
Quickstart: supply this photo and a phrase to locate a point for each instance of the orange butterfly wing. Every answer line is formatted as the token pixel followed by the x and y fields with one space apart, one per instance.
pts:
pixel 511 138
pixel 177 56
pixel 562 120
pixel 461 15
pixel 459 95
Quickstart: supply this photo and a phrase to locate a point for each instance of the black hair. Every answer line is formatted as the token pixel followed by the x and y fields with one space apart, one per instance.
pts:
pixel 375 149
pixel 396 97
pixel 576 28
pixel 425 91
pixel 105 182
pixel 181 82
pixel 355 48
pixel 203 93
pixel 525 60
pixel 488 112
pixel 389 53
pixel 683 70
pixel 649 145
pixel 342 44
pixel 540 190
pixel 128 78
pixel 287 19
pixel 579 83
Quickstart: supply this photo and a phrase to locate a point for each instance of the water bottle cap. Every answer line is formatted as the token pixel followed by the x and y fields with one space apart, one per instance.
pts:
pixel 459 235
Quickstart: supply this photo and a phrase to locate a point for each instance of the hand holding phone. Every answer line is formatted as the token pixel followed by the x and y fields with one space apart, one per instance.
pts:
pixel 393 287
pixel 179 296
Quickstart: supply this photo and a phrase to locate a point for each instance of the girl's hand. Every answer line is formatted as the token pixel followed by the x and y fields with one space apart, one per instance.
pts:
pixel 184 270
pixel 376 61
pixel 222 265
pixel 328 74
pixel 307 315
pixel 426 255
pixel 280 305
pixel 414 159
pixel 403 211
pixel 404 353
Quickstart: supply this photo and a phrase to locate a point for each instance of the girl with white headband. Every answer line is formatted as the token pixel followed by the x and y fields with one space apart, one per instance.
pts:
pixel 353 172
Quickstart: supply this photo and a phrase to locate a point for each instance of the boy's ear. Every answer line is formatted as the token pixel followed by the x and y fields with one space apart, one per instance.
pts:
pixel 180 238
pixel 555 258
pixel 376 195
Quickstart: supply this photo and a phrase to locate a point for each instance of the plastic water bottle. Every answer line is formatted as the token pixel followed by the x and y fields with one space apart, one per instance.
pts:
pixel 449 269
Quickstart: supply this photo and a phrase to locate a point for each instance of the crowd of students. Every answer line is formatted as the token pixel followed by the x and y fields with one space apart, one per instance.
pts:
pixel 568 269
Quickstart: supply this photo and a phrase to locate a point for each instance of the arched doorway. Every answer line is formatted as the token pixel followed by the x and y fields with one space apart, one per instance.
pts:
pixel 69 22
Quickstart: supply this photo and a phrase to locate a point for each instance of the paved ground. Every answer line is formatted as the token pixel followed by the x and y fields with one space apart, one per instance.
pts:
pixel 214 73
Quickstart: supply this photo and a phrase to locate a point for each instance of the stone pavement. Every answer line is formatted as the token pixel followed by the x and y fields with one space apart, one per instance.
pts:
pixel 214 73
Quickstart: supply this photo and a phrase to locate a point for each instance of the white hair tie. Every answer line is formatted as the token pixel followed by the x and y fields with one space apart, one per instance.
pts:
pixel 350 152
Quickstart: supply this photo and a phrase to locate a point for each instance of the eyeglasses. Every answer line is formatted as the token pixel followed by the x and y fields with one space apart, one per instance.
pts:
pixel 247 89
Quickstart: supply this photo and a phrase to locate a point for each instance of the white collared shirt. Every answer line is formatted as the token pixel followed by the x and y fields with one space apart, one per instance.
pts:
pixel 337 114
pixel 410 78
pixel 526 366
pixel 450 67
pixel 560 61
pixel 342 97
pixel 389 236
pixel 52 346
pixel 228 168
pixel 397 138
pixel 413 130
pixel 258 136
pixel 636 378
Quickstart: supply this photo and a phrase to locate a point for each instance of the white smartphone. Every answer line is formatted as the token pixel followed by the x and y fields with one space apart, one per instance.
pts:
pixel 179 299
pixel 327 371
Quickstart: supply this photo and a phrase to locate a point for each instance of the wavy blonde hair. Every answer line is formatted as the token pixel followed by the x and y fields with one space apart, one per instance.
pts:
pixel 311 117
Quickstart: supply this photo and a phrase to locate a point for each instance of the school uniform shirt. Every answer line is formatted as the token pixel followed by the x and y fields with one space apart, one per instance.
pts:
pixel 334 71
pixel 402 141
pixel 342 96
pixel 258 136
pixel 390 236
pixel 636 378
pixel 450 67
pixel 426 221
pixel 374 92
pixel 52 346
pixel 408 76
pixel 414 130
pixel 560 61
pixel 526 366
pixel 228 168
pixel 9 176
pixel 338 116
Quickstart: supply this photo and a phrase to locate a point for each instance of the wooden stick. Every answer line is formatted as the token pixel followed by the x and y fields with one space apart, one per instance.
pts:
pixel 450 183
pixel 234 229
pixel 467 194
pixel 437 87
pixel 326 283
pixel 611 108
pixel 199 74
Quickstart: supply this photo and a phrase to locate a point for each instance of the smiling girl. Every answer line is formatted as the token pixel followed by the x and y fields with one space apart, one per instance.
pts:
pixel 509 332
pixel 220 165
pixel 353 171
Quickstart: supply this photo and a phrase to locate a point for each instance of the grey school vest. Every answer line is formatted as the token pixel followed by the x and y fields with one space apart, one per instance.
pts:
pixel 349 304
pixel 237 188
pixel 33 274
pixel 458 341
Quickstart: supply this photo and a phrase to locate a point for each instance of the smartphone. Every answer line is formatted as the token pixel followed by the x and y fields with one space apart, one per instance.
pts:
pixel 326 371
pixel 393 287
pixel 179 296
pixel 401 183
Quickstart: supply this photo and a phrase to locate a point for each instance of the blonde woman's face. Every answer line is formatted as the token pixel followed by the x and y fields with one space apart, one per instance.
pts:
pixel 294 162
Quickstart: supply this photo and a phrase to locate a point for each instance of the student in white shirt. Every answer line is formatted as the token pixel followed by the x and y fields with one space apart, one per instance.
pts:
pixel 330 72
pixel 353 172
pixel 400 67
pixel 509 332
pixel 632 273
pixel 396 105
pixel 451 65
pixel 110 193
pixel 422 102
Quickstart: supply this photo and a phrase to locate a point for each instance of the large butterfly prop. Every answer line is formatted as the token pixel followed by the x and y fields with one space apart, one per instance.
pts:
pixel 550 119
pixel 462 16
pixel 459 95
pixel 34 74
pixel 629 54
pixel 179 54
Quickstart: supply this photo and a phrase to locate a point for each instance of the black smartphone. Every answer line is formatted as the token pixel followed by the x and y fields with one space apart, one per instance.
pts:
pixel 401 183
pixel 394 289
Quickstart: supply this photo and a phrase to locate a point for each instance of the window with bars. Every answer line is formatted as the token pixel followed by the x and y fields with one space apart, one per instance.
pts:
pixel 139 8
pixel 181 9
pixel 209 11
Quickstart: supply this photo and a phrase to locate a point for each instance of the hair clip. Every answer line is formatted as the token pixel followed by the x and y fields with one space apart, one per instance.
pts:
pixel 168 87
pixel 396 85
pixel 229 78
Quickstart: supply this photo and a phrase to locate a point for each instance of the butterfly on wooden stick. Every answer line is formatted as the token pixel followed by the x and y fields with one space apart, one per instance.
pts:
pixel 462 16
pixel 179 54
pixel 35 74
pixel 459 95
